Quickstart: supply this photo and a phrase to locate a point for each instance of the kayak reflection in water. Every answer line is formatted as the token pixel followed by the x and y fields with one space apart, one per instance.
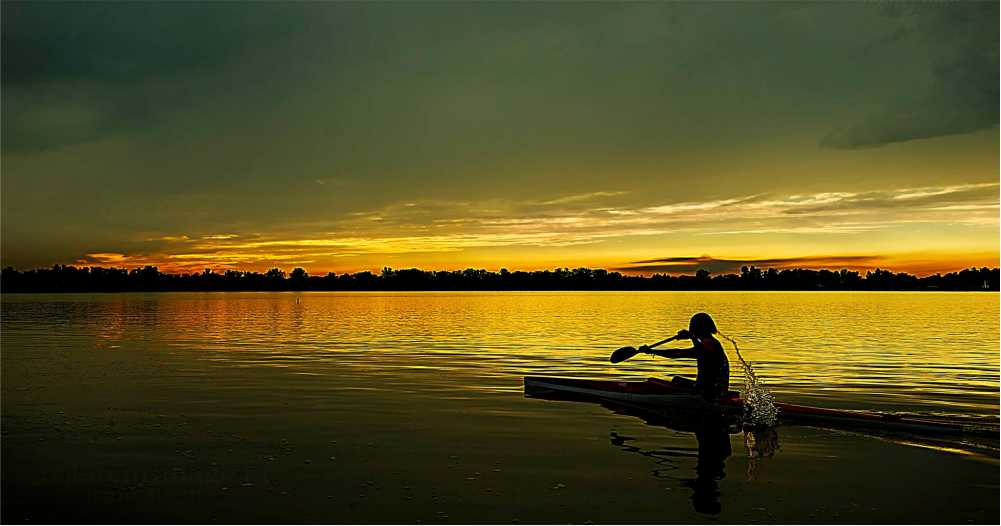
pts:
pixel 713 377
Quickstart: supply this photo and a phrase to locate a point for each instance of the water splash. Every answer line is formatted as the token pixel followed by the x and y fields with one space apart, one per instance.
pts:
pixel 759 404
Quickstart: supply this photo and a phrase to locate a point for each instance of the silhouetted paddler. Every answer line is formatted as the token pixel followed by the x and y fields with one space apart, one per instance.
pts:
pixel 713 377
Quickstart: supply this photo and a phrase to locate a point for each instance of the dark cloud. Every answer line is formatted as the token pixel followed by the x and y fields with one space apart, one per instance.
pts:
pixel 47 117
pixel 484 75
pixel 128 41
pixel 687 265
pixel 963 92
pixel 75 71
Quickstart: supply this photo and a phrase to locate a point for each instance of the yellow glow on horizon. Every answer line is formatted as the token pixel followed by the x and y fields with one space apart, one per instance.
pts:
pixel 920 264
pixel 892 229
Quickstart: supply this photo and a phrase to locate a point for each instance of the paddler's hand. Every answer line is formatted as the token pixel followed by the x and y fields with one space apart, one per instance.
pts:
pixel 683 334
pixel 644 348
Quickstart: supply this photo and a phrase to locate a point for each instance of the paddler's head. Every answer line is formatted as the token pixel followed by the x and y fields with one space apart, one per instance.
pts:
pixel 702 325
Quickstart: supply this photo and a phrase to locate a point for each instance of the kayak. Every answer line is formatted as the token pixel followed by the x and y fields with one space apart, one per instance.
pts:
pixel 653 392
pixel 658 395
pixel 658 402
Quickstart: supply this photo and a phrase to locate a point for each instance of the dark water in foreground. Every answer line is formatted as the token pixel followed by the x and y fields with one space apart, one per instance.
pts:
pixel 408 407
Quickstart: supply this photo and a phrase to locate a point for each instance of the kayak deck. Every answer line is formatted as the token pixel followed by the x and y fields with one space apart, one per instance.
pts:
pixel 657 394
pixel 658 402
pixel 651 391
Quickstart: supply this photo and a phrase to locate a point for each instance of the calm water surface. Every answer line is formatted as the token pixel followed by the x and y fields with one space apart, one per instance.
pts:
pixel 407 407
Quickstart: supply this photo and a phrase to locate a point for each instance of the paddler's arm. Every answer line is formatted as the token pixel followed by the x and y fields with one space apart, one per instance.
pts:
pixel 671 353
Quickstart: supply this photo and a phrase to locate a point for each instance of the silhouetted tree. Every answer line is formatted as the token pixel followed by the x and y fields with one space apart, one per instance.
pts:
pixel 63 278
pixel 297 279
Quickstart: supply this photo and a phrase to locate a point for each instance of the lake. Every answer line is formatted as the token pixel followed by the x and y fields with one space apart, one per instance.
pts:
pixel 408 407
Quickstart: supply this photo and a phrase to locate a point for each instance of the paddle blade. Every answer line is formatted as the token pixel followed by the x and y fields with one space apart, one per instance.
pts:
pixel 623 354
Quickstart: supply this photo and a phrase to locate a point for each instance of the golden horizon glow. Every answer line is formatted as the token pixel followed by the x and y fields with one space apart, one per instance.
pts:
pixel 916 264
pixel 854 230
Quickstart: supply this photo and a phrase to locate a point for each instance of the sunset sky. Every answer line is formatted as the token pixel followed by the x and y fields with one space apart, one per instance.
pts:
pixel 647 137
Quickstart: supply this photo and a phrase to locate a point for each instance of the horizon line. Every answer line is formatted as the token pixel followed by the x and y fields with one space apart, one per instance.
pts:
pixel 637 272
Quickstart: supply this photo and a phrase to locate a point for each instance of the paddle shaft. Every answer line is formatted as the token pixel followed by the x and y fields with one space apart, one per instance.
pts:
pixel 672 338
pixel 626 353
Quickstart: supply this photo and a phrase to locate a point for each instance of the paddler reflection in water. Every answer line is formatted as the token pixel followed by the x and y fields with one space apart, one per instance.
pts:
pixel 710 467
pixel 713 378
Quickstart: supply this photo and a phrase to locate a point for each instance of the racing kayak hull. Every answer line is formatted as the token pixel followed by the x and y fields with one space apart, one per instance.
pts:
pixel 658 395
pixel 653 392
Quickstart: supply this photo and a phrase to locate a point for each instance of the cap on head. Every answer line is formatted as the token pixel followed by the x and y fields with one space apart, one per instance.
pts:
pixel 702 324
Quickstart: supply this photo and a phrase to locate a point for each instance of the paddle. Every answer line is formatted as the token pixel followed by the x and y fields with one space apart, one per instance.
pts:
pixel 625 353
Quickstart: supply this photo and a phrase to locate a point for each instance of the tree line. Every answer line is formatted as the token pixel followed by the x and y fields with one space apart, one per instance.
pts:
pixel 65 278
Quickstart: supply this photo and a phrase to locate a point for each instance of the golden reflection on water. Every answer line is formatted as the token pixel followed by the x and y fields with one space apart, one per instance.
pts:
pixel 927 352
pixel 373 396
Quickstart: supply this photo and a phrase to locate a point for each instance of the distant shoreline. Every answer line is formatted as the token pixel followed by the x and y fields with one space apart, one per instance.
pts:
pixel 60 279
pixel 512 291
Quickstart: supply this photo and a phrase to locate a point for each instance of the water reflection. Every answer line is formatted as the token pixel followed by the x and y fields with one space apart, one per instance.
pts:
pixel 492 339
pixel 710 430
pixel 712 449
pixel 91 380
pixel 712 441
pixel 709 425
pixel 760 443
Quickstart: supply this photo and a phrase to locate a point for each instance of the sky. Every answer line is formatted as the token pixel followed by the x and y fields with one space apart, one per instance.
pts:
pixel 641 137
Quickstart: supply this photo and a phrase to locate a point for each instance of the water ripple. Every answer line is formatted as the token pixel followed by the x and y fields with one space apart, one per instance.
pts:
pixel 921 352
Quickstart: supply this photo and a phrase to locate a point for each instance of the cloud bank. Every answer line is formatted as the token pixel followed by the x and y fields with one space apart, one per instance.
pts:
pixel 75 72
pixel 961 95
pixel 688 265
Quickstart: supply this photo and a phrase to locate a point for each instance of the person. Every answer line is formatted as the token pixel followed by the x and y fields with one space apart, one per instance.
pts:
pixel 713 378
